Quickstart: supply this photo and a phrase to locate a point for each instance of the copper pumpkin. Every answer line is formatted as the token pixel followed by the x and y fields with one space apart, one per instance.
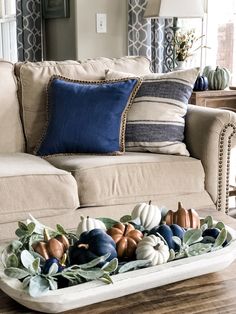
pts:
pixel 126 238
pixel 54 247
pixel 186 218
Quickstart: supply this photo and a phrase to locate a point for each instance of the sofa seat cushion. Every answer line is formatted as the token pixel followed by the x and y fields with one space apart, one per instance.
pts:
pixel 29 184
pixel 133 177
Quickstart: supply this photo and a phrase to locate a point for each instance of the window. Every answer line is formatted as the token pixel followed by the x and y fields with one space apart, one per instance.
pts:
pixel 221 35
pixel 8 44
pixel 219 28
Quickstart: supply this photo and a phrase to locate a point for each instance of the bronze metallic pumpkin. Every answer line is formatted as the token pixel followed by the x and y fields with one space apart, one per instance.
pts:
pixel 186 218
pixel 126 238
pixel 54 247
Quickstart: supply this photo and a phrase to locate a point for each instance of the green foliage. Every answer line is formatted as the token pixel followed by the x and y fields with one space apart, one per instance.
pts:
pixel 21 262
pixel 192 244
pixel 133 265
pixel 126 218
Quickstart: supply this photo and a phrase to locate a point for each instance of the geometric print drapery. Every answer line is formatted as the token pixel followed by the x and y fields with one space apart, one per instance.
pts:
pixel 150 37
pixel 29 30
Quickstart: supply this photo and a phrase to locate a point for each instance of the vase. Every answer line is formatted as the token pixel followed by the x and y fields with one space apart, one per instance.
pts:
pixel 181 65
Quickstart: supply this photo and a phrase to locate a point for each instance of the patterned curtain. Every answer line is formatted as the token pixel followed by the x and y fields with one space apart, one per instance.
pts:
pixel 150 38
pixel 29 30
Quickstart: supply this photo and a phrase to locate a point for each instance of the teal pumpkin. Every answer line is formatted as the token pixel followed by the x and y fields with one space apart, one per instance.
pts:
pixel 218 79
pixel 206 70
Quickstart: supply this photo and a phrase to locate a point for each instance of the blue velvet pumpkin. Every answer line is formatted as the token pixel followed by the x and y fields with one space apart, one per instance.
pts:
pixel 167 232
pixel 201 83
pixel 91 245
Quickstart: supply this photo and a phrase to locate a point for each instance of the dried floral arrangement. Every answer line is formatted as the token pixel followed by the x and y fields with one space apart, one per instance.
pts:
pixel 44 259
pixel 186 44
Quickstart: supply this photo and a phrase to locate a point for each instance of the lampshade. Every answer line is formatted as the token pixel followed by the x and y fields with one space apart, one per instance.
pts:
pixel 174 8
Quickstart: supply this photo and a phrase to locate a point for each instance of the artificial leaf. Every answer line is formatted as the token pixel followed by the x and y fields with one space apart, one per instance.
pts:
pixel 22 226
pixel 204 227
pixel 53 269
pixel 222 236
pixel 220 225
pixel 108 222
pixel 172 255
pixel 14 272
pixel 36 265
pixel 31 227
pixel 15 246
pixel 26 282
pixel 209 221
pixel 91 274
pixel 198 249
pixel 125 218
pixel 12 261
pixel 106 279
pixel 134 265
pixel 111 266
pixel 60 229
pixel 52 283
pixel 38 286
pixel 94 262
pixel 177 240
pixel 26 259
pixel 19 233
pixel 191 236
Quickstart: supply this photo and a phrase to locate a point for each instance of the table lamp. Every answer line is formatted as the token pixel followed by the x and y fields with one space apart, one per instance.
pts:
pixel 175 9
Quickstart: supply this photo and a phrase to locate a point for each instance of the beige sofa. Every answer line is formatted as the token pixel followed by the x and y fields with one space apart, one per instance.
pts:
pixel 61 188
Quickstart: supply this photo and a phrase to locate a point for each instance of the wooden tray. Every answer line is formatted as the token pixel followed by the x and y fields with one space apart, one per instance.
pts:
pixel 124 284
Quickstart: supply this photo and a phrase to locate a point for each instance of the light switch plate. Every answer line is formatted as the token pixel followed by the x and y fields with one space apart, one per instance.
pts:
pixel 101 22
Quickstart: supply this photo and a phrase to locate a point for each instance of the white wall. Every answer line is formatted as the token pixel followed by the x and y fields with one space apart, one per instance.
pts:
pixel 76 37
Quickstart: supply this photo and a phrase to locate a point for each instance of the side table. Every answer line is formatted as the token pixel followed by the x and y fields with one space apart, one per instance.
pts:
pixel 224 99
pixel 221 99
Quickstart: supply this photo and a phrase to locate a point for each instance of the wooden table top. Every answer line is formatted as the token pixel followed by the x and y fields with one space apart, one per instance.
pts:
pixel 212 293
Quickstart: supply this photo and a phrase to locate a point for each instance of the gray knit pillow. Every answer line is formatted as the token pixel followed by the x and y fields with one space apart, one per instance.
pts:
pixel 156 119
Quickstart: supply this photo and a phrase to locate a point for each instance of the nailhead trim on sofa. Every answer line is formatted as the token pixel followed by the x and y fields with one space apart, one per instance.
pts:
pixel 220 171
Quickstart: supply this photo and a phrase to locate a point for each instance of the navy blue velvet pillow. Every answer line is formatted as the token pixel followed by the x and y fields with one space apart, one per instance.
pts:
pixel 87 117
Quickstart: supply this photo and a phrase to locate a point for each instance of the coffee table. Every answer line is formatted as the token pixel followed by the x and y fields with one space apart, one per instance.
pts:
pixel 213 292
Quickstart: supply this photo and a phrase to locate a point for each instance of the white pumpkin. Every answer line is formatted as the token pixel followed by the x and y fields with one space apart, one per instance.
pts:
pixel 87 224
pixel 149 215
pixel 154 249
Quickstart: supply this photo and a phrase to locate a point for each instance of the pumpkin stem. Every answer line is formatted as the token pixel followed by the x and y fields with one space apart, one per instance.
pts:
pixel 180 205
pixel 46 235
pixel 63 260
pixel 217 68
pixel 150 202
pixel 126 226
pixel 157 246
pixel 83 245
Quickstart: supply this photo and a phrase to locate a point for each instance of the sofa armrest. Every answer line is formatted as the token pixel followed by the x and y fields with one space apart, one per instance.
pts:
pixel 209 135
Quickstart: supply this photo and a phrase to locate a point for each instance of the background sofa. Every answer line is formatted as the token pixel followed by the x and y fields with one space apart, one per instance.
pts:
pixel 59 189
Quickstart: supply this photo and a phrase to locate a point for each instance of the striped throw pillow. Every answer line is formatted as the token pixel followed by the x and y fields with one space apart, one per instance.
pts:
pixel 156 119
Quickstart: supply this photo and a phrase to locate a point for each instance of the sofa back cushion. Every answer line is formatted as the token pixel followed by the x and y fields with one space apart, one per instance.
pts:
pixel 11 133
pixel 34 77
